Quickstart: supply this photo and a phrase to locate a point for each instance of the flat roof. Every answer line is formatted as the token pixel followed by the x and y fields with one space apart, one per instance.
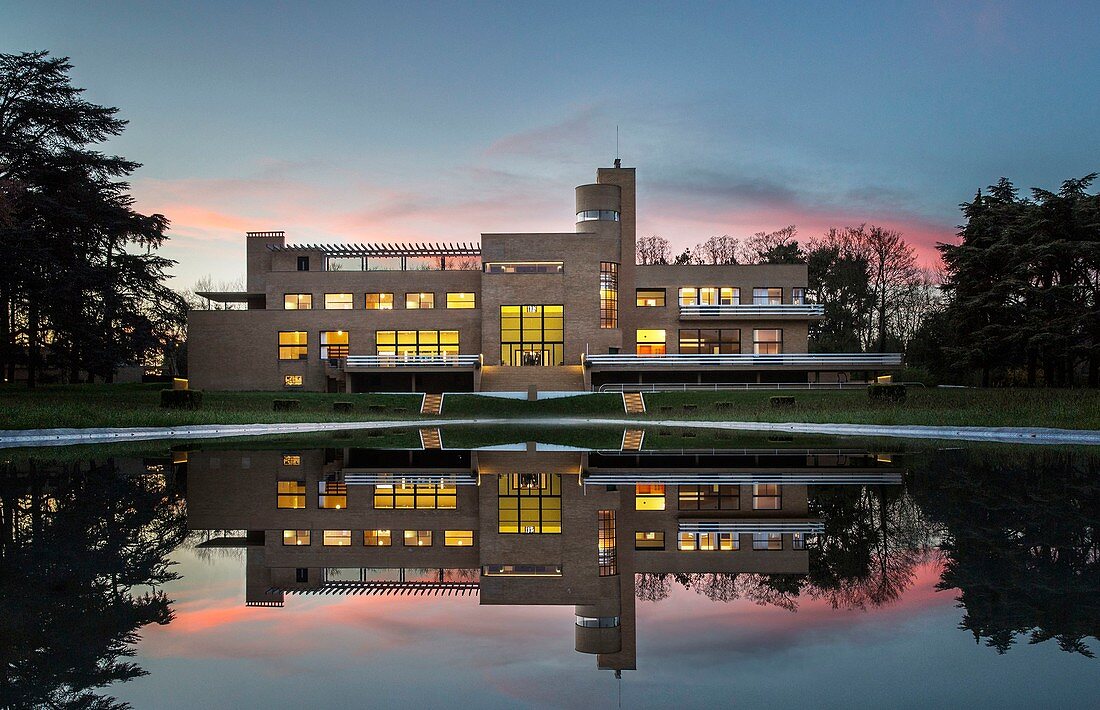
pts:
pixel 385 249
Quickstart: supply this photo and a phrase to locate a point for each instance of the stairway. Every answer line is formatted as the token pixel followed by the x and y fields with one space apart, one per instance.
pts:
pixel 502 378
pixel 430 439
pixel 433 404
pixel 632 439
pixel 633 403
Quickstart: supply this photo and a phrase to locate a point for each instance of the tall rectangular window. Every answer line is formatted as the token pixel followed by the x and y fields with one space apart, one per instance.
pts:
pixel 296 537
pixel 529 503
pixel 710 341
pixel 334 344
pixel 418 538
pixel 767 541
pixel 798 296
pixel 689 296
pixel 729 296
pixel 649 496
pixel 767 296
pixel 649 297
pixel 416 342
pixel 292 494
pixel 767 341
pixel 303 263
pixel 607 551
pixel 337 538
pixel 708 296
pixel 461 300
pixel 798 541
pixel 767 496
pixel 710 497
pixel 297 301
pixel 458 538
pixel 378 301
pixel 377 538
pixel 649 540
pixel 609 294
pixel 419 300
pixel 422 496
pixel 293 345
pixel 650 342
pixel 338 301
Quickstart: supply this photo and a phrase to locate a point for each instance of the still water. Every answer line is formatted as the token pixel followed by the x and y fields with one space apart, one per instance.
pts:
pixel 590 569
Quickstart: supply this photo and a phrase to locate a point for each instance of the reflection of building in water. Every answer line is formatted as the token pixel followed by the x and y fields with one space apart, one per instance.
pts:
pixel 524 526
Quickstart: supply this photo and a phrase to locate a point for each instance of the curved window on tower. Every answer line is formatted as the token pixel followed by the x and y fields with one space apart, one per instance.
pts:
pixel 594 215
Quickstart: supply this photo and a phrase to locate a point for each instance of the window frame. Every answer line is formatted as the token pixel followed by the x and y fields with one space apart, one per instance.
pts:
pixel 299 297
pixel 650 295
pixel 421 298
pixel 378 300
pixel 462 305
pixel 756 342
pixel 287 349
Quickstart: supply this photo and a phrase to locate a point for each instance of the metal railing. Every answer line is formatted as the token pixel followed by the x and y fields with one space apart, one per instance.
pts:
pixel 759 525
pixel 723 386
pixel 831 360
pixel 787 310
pixel 412 361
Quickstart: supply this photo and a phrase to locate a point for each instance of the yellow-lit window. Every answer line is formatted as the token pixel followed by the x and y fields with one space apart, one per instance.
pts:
pixel 338 301
pixel 419 300
pixel 337 538
pixel 461 300
pixel 292 459
pixel 293 345
pixel 422 496
pixel 332 495
pixel 651 342
pixel 379 301
pixel 689 296
pixel 649 496
pixel 334 344
pixel 292 494
pixel 377 538
pixel 292 380
pixel 418 538
pixel 728 541
pixel 708 541
pixel 649 540
pixel 296 537
pixel 650 297
pixel 529 503
pixel 708 296
pixel 767 341
pixel 298 301
pixel 686 542
pixel 729 296
pixel 767 496
pixel 458 538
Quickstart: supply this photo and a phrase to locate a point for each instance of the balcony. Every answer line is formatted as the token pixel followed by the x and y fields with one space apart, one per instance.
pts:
pixel 785 311
pixel 837 362
pixel 354 363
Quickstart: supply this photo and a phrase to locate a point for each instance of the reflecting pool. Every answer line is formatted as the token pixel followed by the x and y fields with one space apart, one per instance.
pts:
pixel 595 568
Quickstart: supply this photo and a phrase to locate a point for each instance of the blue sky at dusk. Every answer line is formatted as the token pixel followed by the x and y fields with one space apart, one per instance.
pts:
pixel 439 121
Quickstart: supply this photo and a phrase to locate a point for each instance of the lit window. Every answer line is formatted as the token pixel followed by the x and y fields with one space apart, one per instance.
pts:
pixel 332 494
pixel 708 296
pixel 293 345
pixel 649 496
pixel 296 537
pixel 686 541
pixel 292 459
pixel 707 541
pixel 422 496
pixel 729 296
pixel 798 296
pixel 419 300
pixel 338 301
pixel 292 380
pixel 416 342
pixel 378 301
pixel 458 538
pixel 418 538
pixel 651 342
pixel 767 296
pixel 767 496
pixel 728 541
pixel 298 301
pixel 337 538
pixel 689 296
pixel 767 541
pixel 609 295
pixel 529 503
pixel 292 494
pixel 377 538
pixel 334 344
pixel 650 540
pixel 461 300
pixel 767 342
pixel 650 297
pixel 607 545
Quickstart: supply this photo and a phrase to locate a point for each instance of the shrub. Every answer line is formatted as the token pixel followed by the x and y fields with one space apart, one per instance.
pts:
pixel 342 406
pixel 889 393
pixel 181 399
pixel 781 402
pixel 285 405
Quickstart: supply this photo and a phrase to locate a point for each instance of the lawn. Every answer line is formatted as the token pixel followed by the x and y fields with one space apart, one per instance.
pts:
pixel 138 405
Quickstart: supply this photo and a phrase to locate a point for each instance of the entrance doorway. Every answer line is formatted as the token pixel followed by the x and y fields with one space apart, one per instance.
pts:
pixel 532 335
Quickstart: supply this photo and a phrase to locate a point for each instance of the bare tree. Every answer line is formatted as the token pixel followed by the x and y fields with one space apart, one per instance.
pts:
pixel 195 302
pixel 757 247
pixel 717 250
pixel 653 249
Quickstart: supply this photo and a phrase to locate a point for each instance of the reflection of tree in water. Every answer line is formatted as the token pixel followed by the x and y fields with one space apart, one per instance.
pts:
pixel 83 550
pixel 1021 542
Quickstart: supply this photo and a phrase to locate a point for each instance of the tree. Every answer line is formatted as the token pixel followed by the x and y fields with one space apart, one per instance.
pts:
pixel 717 250
pixel 838 280
pixel 652 250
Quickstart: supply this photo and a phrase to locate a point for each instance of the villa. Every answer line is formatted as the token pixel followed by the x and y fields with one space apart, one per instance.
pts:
pixel 556 311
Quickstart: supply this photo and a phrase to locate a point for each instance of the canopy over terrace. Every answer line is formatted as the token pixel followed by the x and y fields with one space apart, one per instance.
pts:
pixel 396 254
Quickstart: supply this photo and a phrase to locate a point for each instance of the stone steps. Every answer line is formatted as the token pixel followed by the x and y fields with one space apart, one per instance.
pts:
pixel 501 378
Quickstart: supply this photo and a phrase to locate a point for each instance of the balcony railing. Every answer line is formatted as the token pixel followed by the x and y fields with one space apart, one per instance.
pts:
pixel 758 525
pixel 359 361
pixel 809 310
pixel 825 360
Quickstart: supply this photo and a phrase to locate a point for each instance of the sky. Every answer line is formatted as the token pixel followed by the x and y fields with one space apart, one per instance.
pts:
pixel 407 122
